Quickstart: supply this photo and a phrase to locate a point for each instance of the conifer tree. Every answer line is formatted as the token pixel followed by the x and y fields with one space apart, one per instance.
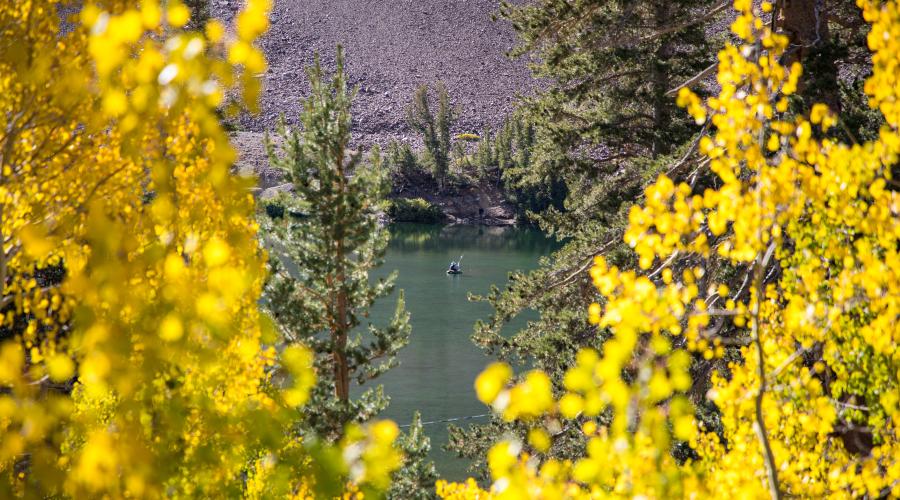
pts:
pixel 606 124
pixel 434 127
pixel 612 65
pixel 323 250
pixel 484 155
pixel 401 161
pixel 415 478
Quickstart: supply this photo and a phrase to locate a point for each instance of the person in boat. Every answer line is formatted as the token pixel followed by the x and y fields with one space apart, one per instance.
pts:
pixel 454 267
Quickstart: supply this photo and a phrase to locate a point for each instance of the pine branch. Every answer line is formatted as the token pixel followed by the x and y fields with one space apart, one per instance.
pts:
pixel 694 79
pixel 687 24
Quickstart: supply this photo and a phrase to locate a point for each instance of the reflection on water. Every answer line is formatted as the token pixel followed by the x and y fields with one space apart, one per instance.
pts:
pixel 440 363
pixel 414 237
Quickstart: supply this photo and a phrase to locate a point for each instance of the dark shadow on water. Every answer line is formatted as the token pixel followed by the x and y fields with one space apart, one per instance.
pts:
pixel 429 237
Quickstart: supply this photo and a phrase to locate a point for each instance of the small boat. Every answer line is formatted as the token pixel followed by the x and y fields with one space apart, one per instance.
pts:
pixel 455 266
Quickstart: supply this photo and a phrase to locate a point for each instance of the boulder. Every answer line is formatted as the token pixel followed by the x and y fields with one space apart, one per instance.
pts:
pixel 272 192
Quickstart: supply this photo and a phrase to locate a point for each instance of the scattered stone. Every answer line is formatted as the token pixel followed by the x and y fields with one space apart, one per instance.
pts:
pixel 272 192
pixel 390 50
pixel 390 47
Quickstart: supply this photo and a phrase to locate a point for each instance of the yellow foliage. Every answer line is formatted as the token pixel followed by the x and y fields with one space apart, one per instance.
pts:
pixel 131 265
pixel 820 356
pixel 462 491
pixel 491 381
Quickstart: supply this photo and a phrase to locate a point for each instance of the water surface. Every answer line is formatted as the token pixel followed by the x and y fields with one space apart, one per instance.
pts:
pixel 438 367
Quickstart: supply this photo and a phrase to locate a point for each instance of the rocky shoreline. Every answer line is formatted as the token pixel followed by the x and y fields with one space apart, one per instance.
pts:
pixel 476 207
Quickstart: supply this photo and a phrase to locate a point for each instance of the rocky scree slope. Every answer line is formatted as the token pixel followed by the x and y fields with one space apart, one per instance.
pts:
pixel 392 47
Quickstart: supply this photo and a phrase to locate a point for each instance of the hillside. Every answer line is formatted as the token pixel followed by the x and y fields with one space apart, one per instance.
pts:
pixel 392 47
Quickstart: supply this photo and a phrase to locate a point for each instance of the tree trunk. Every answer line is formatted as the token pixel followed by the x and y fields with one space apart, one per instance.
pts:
pixel 805 22
pixel 341 367
pixel 661 82
pixel 338 327
pixel 342 323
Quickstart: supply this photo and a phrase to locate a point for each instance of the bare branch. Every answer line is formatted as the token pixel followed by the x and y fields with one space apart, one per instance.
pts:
pixel 787 362
pixel 584 267
pixel 687 24
pixel 694 79
pixel 663 265
pixel 760 424
pixel 850 406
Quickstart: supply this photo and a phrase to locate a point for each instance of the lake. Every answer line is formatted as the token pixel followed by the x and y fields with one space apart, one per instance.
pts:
pixel 438 367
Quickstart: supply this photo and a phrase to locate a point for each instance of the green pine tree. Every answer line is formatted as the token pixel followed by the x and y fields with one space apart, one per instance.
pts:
pixel 434 127
pixel 401 160
pixel 515 147
pixel 484 155
pixel 323 248
pixel 416 477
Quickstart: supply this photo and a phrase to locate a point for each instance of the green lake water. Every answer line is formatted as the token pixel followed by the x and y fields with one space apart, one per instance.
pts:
pixel 438 367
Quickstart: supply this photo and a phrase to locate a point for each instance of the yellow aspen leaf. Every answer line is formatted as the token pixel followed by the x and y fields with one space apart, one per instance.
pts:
pixel 491 381
pixel 539 439
pixel 151 14
pixel 171 328
pixel 570 405
pixel 35 242
pixel 216 252
pixel 60 367
pixel 215 31
pixel 177 14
